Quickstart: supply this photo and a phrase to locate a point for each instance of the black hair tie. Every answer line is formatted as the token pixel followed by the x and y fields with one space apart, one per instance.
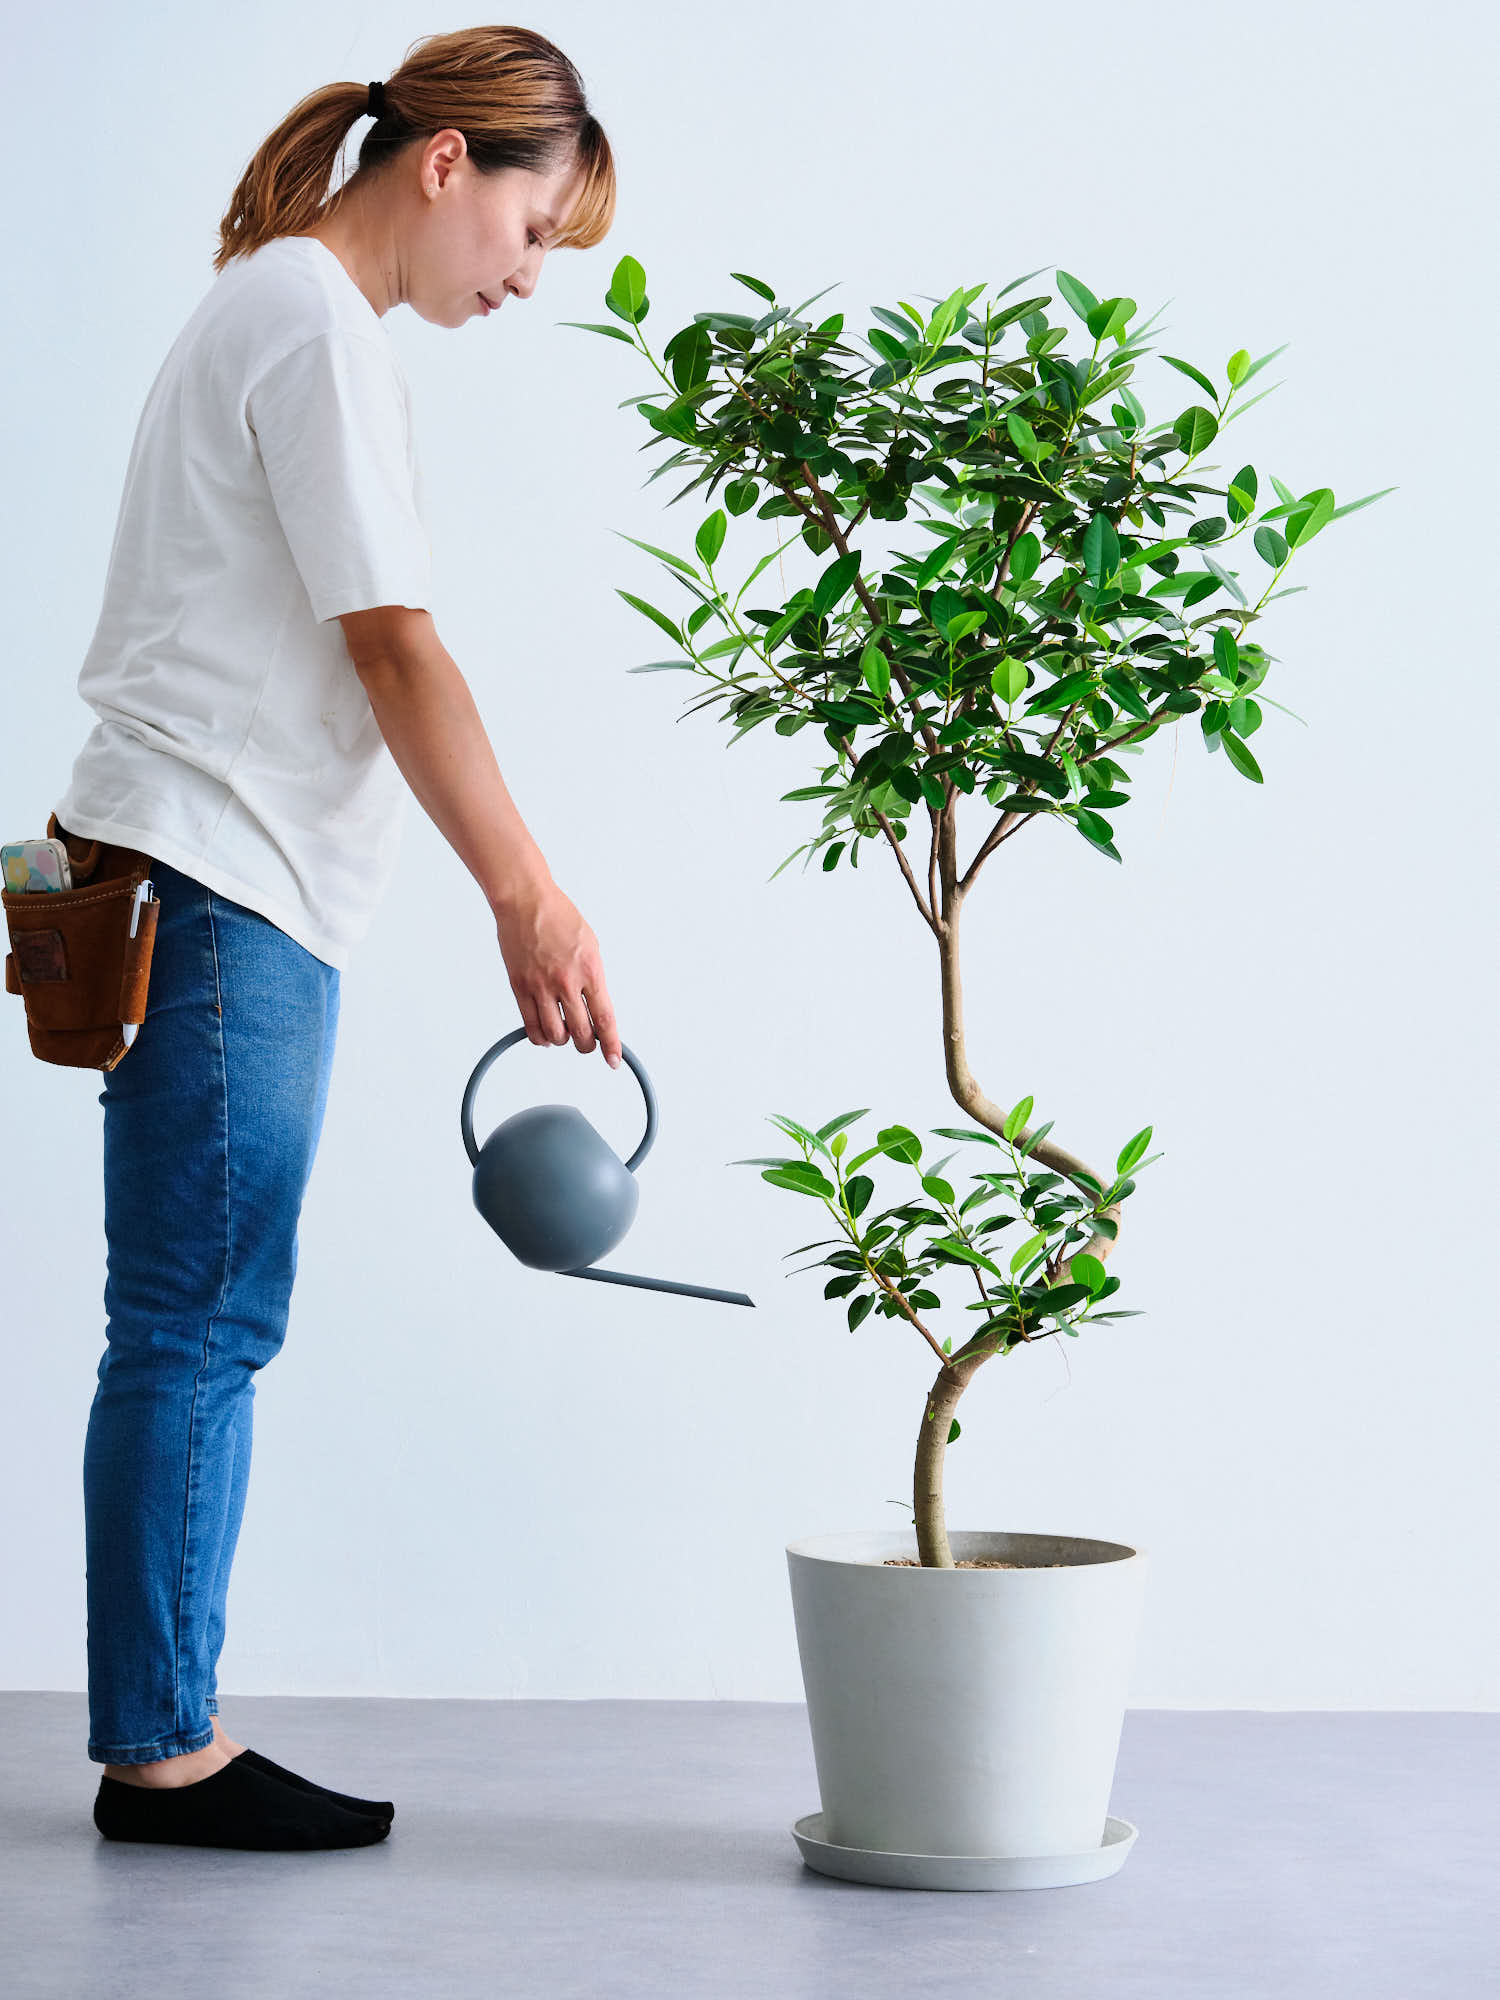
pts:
pixel 377 100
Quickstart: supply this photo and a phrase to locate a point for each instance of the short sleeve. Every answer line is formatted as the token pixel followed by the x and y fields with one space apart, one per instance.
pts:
pixel 332 425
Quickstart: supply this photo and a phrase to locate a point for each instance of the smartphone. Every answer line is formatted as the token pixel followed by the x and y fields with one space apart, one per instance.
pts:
pixel 35 865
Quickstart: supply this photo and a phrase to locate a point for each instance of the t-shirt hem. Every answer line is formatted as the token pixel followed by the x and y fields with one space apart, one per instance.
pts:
pixel 164 848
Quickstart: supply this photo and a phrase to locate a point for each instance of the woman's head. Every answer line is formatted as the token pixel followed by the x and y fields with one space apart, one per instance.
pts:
pixel 486 143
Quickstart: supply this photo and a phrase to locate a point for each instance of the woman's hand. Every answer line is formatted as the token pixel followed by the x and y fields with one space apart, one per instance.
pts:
pixel 552 958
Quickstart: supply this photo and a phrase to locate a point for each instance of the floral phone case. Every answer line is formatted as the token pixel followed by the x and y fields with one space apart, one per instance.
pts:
pixel 35 865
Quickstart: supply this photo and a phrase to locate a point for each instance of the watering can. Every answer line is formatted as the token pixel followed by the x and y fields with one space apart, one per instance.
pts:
pixel 555 1191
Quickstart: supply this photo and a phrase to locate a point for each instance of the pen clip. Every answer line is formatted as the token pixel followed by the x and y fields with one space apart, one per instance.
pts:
pixel 144 893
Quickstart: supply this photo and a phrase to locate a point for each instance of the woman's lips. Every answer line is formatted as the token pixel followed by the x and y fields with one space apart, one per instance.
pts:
pixel 488 305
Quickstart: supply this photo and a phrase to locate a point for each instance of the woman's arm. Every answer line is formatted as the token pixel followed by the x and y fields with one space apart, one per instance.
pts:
pixel 427 716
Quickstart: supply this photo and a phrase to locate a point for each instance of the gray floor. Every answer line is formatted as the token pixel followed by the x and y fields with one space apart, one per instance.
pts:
pixel 610 1848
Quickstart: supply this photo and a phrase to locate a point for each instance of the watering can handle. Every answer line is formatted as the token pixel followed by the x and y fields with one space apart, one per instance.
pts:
pixel 466 1120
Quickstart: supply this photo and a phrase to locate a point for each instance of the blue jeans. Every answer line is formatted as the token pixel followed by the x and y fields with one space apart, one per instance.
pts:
pixel 211 1121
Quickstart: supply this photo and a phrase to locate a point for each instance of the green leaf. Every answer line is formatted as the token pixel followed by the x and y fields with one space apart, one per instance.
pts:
pixel 690 355
pixel 665 555
pixel 1125 694
pixel 801 1178
pixel 1245 716
pixel 657 617
pixel 965 623
pixel 1188 369
pixel 953 1430
pixel 962 1132
pixel 857 1190
pixel 937 560
pixel 1269 546
pixel 627 287
pixel 900 1143
pixel 1109 319
pixel 1350 506
pixel 947 604
pixel 1242 493
pixel 834 581
pixel 964 1253
pixel 1096 830
pixel 1087 1270
pixel 837 1124
pixel 1034 1139
pixel 1196 429
pixel 859 1308
pixel 1078 296
pixel 1226 653
pixel 1028 1250
pixel 1062 694
pixel 1022 436
pixel 1312 513
pixel 740 496
pixel 710 537
pixel 1025 554
pixel 732 642
pixel 902 328
pixel 1008 679
pixel 1132 1150
pixel 1015 1119
pixel 938 1188
pixel 1239 754
pixel 875 670
pixel 592 326
pixel 755 284
pixel 1101 549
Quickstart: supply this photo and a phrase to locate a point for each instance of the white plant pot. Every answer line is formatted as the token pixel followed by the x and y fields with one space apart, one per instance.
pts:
pixel 973 1714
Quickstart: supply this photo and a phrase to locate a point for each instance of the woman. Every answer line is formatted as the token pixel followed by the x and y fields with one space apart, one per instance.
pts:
pixel 266 675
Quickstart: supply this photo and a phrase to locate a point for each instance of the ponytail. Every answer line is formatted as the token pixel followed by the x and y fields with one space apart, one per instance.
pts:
pixel 514 95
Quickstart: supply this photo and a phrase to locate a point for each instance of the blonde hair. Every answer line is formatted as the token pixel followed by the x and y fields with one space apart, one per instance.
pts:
pixel 514 95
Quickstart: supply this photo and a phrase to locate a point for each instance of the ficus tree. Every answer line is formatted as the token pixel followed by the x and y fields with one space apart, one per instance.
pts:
pixel 1078 591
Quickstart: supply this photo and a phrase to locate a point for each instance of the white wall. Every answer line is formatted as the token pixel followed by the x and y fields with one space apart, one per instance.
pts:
pixel 471 1479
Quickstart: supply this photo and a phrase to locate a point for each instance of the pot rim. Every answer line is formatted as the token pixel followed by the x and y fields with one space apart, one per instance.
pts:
pixel 875 1544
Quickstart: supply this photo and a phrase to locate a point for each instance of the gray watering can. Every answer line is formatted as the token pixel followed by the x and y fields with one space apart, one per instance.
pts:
pixel 555 1191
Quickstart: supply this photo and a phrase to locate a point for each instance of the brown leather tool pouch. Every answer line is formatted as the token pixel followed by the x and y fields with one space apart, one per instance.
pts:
pixel 72 959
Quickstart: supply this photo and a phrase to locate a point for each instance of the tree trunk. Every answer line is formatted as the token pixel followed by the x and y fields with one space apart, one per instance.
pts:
pixel 954 1377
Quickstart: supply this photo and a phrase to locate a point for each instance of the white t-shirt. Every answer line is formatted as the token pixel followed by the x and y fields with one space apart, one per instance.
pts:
pixel 273 483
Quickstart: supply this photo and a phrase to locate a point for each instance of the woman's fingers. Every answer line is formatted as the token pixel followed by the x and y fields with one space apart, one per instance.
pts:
pixel 552 959
pixel 590 1020
pixel 602 1010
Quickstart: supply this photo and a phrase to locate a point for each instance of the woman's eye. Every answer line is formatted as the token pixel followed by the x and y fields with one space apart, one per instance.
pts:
pixel 533 235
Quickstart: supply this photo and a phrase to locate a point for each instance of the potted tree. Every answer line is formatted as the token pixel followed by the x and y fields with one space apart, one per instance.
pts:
pixel 965 1689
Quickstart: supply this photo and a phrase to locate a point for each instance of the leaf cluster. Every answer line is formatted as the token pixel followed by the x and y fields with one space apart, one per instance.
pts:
pixel 887 1260
pixel 1079 590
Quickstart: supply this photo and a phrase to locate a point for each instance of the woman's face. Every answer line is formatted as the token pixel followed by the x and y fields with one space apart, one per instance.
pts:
pixel 473 233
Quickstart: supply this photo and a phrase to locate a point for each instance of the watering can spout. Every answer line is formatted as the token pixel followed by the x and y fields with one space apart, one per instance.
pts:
pixel 661 1285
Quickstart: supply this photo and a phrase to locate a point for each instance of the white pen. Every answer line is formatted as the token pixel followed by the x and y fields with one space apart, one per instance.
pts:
pixel 145 893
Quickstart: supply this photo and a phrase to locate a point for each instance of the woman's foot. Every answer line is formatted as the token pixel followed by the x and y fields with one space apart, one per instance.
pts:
pixel 223 1742
pixel 165 1773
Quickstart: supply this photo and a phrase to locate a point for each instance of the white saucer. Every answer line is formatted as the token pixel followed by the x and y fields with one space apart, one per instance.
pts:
pixel 963 1871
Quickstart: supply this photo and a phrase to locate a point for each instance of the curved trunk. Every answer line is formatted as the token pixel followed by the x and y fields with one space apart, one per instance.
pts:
pixel 954 1377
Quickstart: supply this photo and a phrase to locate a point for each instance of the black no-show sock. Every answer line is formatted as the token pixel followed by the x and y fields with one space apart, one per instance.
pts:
pixel 237 1806
pixel 377 1808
